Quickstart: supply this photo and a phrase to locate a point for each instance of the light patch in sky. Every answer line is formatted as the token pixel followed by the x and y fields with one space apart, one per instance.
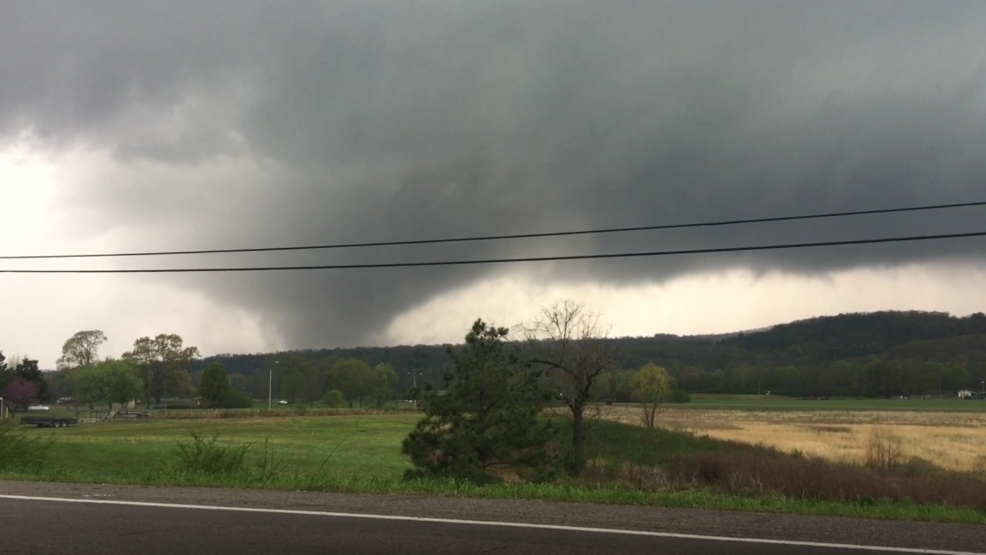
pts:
pixel 42 311
pixel 722 302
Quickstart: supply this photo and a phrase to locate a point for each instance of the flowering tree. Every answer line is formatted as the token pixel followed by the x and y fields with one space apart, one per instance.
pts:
pixel 21 392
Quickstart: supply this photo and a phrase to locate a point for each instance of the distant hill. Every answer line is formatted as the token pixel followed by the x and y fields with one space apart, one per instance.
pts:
pixel 723 362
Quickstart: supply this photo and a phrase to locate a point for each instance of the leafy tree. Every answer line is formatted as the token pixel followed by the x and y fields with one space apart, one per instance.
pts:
pixel 122 380
pixel 334 399
pixel 6 374
pixel 297 379
pixel 89 386
pixel 294 388
pixel 21 392
pixel 27 369
pixel 883 379
pixel 355 379
pixel 568 343
pixel 487 418
pixel 386 382
pixel 163 363
pixel 82 349
pixel 651 385
pixel 235 399
pixel 215 384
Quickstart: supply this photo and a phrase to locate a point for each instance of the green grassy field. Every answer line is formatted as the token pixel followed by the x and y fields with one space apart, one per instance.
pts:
pixel 777 402
pixel 351 446
pixel 359 447
pixel 362 454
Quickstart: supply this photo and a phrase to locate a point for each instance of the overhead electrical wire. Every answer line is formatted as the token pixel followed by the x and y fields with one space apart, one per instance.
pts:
pixel 503 237
pixel 507 260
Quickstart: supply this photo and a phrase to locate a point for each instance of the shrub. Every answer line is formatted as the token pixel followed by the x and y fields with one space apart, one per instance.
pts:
pixel 883 451
pixel 235 399
pixel 269 462
pixel 334 399
pixel 201 454
pixel 20 452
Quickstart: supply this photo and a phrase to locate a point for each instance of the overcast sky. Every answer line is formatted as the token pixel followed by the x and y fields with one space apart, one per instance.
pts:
pixel 239 123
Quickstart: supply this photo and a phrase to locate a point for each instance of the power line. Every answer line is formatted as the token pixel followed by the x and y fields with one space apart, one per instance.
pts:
pixel 913 238
pixel 506 237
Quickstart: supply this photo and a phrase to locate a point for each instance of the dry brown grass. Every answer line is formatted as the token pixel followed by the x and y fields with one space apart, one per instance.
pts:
pixel 953 441
pixel 883 451
pixel 816 478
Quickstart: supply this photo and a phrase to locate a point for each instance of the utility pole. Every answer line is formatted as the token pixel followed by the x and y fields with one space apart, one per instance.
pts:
pixel 414 379
pixel 270 385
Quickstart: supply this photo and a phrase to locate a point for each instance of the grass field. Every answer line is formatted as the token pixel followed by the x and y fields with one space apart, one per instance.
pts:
pixel 952 439
pixel 359 447
pixel 780 403
pixel 628 464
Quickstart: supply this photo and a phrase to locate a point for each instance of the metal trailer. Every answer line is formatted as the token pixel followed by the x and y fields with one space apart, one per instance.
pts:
pixel 48 421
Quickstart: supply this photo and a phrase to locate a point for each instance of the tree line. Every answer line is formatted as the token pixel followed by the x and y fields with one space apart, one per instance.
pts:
pixel 852 355
pixel 160 366
pixel 844 355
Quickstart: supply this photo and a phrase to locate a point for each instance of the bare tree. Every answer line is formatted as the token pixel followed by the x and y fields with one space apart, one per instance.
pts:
pixel 569 344
pixel 81 350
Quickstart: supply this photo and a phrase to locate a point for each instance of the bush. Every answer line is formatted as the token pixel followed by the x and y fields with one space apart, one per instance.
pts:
pixel 235 399
pixel 202 454
pixel 20 452
pixel 883 451
pixel 269 462
pixel 334 399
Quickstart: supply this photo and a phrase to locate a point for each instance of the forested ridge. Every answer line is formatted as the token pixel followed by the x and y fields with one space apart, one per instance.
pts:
pixel 868 354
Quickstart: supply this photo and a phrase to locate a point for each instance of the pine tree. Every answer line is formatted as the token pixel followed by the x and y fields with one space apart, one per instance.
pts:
pixel 488 419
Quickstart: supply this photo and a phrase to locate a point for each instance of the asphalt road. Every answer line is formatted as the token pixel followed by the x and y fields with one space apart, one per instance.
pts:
pixel 151 521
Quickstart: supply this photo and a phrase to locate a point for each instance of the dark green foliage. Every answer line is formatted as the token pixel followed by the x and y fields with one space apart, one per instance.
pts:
pixel 487 421
pixel 356 380
pixel 201 454
pixel 827 356
pixel 679 395
pixel 235 399
pixel 334 399
pixel 28 370
pixel 214 386
pixel 20 452
pixel 6 373
pixel 122 380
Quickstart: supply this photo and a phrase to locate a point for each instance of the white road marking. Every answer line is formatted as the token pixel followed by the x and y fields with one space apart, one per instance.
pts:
pixel 496 523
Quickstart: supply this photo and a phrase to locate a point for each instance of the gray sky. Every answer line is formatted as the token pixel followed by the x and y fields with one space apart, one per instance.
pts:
pixel 127 125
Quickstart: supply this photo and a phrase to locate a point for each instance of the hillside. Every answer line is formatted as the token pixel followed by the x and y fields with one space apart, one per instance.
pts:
pixel 829 355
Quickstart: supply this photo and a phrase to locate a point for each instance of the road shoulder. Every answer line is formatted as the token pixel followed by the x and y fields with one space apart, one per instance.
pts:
pixel 922 535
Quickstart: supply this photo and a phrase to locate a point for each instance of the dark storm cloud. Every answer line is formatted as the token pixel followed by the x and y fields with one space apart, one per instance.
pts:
pixel 376 120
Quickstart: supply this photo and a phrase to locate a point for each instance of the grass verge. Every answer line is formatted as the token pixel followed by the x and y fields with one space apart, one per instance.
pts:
pixel 560 492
